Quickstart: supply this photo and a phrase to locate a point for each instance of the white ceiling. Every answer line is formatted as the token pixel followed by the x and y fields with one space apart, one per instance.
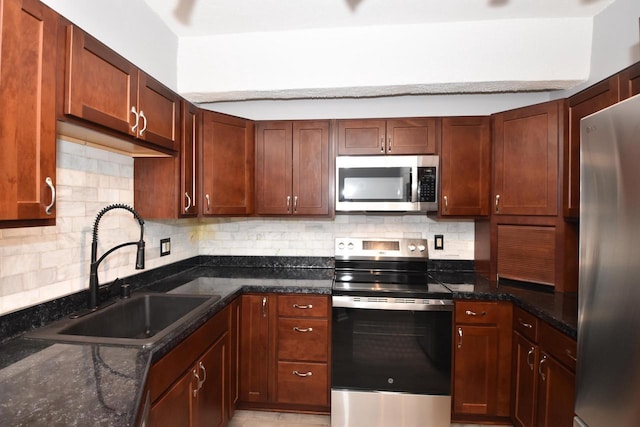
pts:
pixel 210 17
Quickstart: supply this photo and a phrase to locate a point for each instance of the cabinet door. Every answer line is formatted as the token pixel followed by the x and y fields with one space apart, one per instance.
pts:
pixel 411 136
pixel 465 166
pixel 587 102
pixel 361 137
pixel 311 188
pixel 234 352
pixel 255 365
pixel 556 393
pixel 475 372
pixel 273 168
pixel 227 165
pixel 100 86
pixel 189 167
pixel 159 110
pixel 210 401
pixel 525 372
pixel 630 81
pixel 27 123
pixel 525 153
pixel 174 407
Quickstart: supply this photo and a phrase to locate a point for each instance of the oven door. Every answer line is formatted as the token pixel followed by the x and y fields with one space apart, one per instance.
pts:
pixel 389 356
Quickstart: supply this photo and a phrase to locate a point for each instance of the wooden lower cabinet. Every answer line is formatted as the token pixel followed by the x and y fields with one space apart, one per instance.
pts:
pixel 481 361
pixel 190 385
pixel 284 352
pixel 543 374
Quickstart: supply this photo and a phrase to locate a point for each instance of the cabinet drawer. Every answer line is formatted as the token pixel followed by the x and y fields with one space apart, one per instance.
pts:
pixel 526 324
pixel 477 312
pixel 303 305
pixel 558 345
pixel 303 383
pixel 303 339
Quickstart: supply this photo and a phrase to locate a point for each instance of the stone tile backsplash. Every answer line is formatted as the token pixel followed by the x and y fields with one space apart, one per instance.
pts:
pixel 43 263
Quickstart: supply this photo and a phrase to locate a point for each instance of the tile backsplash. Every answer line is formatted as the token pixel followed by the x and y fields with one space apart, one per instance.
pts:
pixel 43 263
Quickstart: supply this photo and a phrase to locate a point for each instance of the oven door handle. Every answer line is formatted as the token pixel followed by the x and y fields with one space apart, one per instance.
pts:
pixel 400 304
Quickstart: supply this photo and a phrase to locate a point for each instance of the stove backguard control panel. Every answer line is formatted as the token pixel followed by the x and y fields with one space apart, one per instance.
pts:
pixel 375 248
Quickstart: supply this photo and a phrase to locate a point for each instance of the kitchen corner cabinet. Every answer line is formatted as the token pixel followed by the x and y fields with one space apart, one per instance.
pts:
pixel 284 352
pixel 465 160
pixel 189 386
pixel 176 177
pixel 227 153
pixel 525 156
pixel 544 365
pixel 595 98
pixel 103 88
pixel 398 136
pixel 294 164
pixel 482 361
pixel 28 34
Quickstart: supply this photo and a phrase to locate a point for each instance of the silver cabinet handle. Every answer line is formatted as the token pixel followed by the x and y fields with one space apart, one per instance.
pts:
pixel 197 387
pixel 459 337
pixel 49 183
pixel 389 146
pixel 570 355
pixel 186 209
pixel 473 313
pixel 303 374
pixel 295 328
pixel 497 203
pixel 204 371
pixel 295 203
pixel 206 196
pixel 288 203
pixel 446 204
pixel 144 123
pixel 382 144
pixel 264 306
pixel 542 361
pixel 529 361
pixel 135 113
pixel 524 324
pixel 303 307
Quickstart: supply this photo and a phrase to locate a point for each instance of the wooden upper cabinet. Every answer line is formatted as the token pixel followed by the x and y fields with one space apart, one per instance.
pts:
pixel 399 136
pixel 167 188
pixel 28 31
pixel 465 160
pixel 630 81
pixel 525 155
pixel 293 167
pixel 227 165
pixel 105 89
pixel 595 98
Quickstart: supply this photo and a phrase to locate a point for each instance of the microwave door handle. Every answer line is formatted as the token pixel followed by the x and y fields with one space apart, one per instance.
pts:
pixel 413 177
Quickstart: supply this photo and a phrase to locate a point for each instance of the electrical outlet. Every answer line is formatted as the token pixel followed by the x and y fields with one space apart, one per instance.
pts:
pixel 165 246
pixel 438 242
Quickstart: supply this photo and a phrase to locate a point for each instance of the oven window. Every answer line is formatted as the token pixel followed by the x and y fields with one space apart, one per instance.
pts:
pixel 392 184
pixel 388 350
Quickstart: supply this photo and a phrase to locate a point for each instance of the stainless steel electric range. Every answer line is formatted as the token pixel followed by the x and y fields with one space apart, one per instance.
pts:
pixel 391 336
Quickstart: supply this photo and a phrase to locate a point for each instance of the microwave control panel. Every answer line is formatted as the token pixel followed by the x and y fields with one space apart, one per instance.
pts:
pixel 427 184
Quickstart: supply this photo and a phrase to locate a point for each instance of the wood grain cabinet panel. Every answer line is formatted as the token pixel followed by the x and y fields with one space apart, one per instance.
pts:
pixel 465 160
pixel 527 253
pixel 525 153
pixel 630 81
pixel 255 360
pixel 303 383
pixel 293 168
pixel 398 136
pixel 227 165
pixel 482 361
pixel 27 123
pixel 103 88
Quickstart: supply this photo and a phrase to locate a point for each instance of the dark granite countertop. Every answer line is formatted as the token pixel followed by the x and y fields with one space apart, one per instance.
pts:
pixel 47 383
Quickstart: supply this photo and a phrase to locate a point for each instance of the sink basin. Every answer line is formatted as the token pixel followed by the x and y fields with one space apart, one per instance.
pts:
pixel 140 320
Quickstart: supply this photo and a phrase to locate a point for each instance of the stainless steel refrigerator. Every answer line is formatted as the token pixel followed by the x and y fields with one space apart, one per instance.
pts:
pixel 608 370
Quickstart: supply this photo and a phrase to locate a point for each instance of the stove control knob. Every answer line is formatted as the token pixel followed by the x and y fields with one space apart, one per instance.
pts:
pixel 412 247
pixel 350 246
pixel 421 248
pixel 341 246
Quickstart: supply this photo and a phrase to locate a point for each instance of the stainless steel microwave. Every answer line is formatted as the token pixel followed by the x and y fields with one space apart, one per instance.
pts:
pixel 387 183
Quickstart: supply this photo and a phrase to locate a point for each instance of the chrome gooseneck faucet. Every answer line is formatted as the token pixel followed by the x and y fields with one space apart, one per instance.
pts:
pixel 95 262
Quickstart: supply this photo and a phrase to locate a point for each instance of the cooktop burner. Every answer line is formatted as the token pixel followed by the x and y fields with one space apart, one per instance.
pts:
pixel 385 267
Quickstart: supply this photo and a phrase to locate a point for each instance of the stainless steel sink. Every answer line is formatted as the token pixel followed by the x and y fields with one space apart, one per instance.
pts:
pixel 140 320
